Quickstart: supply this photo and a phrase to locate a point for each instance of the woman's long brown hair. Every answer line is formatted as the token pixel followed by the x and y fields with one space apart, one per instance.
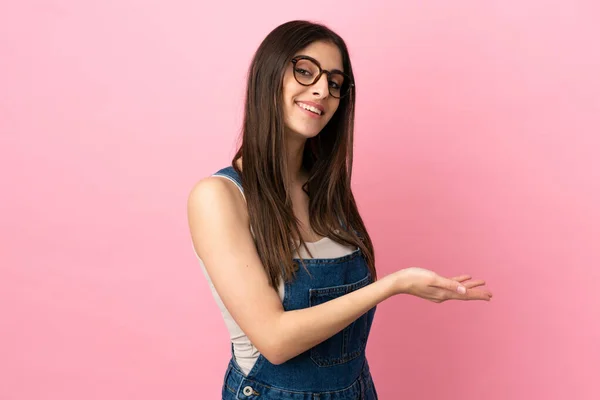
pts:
pixel 327 158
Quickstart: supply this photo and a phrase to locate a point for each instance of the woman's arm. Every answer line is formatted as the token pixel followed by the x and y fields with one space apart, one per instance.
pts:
pixel 219 226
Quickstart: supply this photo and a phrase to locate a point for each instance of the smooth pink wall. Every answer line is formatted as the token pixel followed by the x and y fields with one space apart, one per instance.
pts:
pixel 478 131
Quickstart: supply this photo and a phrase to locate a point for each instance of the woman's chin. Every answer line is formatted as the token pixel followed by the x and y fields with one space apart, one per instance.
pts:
pixel 304 133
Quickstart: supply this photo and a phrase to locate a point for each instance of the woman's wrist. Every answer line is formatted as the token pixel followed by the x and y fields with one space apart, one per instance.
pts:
pixel 394 283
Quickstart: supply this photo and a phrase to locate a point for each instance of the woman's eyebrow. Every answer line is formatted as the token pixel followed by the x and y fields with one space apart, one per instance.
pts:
pixel 332 70
pixel 335 69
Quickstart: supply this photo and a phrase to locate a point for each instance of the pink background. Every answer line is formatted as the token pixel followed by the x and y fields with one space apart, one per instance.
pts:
pixel 478 130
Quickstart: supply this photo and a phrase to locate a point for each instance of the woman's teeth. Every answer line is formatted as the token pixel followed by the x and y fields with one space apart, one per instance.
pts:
pixel 310 108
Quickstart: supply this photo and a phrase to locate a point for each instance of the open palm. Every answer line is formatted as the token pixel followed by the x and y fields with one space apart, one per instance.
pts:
pixel 431 286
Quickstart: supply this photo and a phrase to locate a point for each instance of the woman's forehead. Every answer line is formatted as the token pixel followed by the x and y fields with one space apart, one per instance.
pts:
pixel 327 54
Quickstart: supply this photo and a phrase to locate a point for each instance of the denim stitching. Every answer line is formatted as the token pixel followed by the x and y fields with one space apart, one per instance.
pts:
pixel 248 381
pixel 230 389
pixel 318 261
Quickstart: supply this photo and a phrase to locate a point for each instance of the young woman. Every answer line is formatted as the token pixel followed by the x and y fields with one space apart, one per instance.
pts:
pixel 280 239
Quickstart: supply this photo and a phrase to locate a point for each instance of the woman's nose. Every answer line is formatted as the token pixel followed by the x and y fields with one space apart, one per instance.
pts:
pixel 321 87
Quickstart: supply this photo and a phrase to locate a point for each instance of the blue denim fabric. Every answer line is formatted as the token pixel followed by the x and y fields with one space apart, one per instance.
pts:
pixel 335 369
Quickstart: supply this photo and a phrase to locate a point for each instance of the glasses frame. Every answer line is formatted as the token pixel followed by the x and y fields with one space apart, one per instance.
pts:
pixel 321 72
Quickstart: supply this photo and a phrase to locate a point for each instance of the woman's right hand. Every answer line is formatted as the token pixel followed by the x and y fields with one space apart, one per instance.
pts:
pixel 433 287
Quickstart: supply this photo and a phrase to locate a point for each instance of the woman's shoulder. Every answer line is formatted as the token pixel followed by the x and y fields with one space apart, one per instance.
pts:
pixel 213 194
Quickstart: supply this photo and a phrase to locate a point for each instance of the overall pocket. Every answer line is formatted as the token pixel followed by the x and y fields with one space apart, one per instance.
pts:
pixel 348 344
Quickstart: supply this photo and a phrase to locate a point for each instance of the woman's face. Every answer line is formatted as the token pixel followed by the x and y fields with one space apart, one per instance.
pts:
pixel 307 109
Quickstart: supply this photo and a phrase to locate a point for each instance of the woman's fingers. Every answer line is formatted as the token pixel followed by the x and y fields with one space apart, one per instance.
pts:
pixel 473 284
pixel 461 278
pixel 475 294
pixel 469 285
pixel 460 288
pixel 463 281
pixel 449 284
pixel 478 294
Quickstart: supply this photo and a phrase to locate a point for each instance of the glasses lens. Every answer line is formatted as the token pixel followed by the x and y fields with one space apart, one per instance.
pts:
pixel 338 87
pixel 305 71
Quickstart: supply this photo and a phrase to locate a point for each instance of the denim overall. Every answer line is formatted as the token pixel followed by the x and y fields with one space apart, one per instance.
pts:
pixel 335 369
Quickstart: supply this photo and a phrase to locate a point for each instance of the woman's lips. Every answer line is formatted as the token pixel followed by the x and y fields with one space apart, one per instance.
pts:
pixel 314 106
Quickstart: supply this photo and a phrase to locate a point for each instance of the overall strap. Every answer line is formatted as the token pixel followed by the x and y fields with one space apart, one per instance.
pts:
pixel 231 174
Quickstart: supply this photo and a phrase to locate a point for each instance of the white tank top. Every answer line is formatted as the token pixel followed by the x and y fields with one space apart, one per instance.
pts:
pixel 243 350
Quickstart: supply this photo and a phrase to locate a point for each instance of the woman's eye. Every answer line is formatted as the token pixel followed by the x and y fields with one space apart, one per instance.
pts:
pixel 334 85
pixel 302 71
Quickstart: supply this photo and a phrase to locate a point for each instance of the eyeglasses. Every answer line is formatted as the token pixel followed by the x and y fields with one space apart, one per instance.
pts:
pixel 308 71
